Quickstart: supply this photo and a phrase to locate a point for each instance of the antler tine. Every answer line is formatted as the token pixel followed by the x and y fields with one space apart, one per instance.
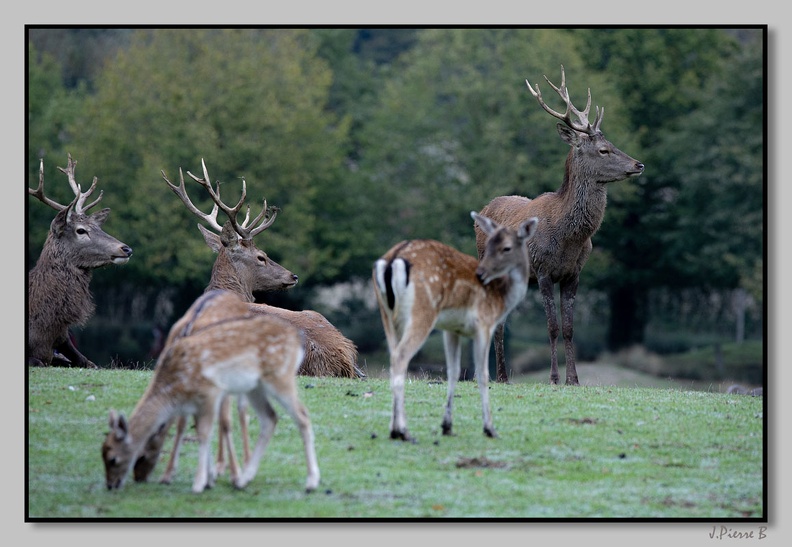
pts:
pixel 79 206
pixel 88 193
pixel 231 212
pixel 39 191
pixel 181 191
pixel 583 125
pixel 266 217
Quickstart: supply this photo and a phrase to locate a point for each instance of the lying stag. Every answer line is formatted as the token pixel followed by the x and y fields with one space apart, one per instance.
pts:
pixel 243 268
pixel 423 284
pixel 217 348
pixel 58 285
pixel 568 218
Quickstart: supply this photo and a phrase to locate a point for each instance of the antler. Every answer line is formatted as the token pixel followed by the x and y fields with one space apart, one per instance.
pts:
pixel 264 219
pixel 583 124
pixel 80 196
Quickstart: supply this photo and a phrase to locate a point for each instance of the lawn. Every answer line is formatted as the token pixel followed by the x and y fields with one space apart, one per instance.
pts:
pixel 582 453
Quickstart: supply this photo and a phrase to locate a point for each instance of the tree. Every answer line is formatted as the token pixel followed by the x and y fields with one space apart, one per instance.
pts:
pixel 251 102
pixel 664 76
pixel 456 126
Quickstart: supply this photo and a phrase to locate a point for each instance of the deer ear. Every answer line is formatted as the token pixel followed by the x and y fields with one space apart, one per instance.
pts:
pixel 568 135
pixel 118 425
pixel 229 237
pixel 101 216
pixel 528 228
pixel 58 224
pixel 212 239
pixel 488 226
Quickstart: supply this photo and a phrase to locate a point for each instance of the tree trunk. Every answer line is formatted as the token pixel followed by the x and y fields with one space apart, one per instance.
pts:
pixel 628 316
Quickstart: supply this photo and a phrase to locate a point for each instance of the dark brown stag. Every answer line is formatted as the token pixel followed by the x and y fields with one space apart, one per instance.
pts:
pixel 58 285
pixel 568 218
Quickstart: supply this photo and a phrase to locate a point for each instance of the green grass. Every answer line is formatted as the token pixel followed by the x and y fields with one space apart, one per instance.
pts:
pixel 589 452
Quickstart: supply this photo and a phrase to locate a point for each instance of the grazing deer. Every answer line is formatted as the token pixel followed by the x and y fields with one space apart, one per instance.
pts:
pixel 243 268
pixel 424 284
pixel 218 347
pixel 58 285
pixel 568 218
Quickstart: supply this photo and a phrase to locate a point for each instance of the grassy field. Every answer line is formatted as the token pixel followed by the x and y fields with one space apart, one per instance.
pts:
pixel 592 452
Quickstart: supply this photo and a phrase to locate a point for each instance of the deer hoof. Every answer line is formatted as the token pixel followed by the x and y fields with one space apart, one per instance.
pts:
pixel 402 436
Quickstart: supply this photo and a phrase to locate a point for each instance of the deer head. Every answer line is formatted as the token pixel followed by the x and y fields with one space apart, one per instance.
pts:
pixel 241 266
pixel 76 235
pixel 592 155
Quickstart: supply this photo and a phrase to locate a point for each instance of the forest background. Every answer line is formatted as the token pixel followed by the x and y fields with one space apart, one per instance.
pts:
pixel 367 136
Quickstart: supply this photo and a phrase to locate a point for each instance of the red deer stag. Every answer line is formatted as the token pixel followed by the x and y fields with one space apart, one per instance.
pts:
pixel 58 285
pixel 568 218
pixel 242 268
pixel 423 284
pixel 217 348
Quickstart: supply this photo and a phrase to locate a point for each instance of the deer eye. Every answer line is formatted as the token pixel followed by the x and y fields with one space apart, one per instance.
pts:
pixel 81 231
pixel 604 151
pixel 507 249
pixel 262 259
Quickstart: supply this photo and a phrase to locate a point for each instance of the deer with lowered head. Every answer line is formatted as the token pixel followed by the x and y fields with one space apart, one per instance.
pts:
pixel 424 284
pixel 568 218
pixel 59 295
pixel 217 348
pixel 241 267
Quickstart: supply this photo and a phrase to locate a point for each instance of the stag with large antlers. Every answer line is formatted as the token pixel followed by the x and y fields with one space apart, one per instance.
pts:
pixel 568 218
pixel 242 268
pixel 58 285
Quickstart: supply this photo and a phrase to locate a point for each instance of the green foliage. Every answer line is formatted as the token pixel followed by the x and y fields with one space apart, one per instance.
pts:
pixel 248 102
pixel 456 126
pixel 580 453
pixel 364 137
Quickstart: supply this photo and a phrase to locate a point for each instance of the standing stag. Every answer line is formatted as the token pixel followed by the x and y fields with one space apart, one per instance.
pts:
pixel 424 284
pixel 242 268
pixel 58 285
pixel 568 218
pixel 217 348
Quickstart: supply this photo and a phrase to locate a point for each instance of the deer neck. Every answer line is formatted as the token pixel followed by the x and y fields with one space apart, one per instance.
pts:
pixel 226 277
pixel 150 414
pixel 583 202
pixel 509 289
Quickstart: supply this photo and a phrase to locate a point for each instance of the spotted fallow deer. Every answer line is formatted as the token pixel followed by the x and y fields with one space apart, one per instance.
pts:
pixel 568 218
pixel 424 284
pixel 217 348
pixel 241 267
pixel 58 285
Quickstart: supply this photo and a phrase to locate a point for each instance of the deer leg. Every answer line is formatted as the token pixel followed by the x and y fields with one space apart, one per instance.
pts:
pixel 500 354
pixel 481 344
pixel 413 339
pixel 268 419
pixel 299 414
pixel 546 288
pixel 226 440
pixel 167 475
pixel 67 348
pixel 205 474
pixel 243 424
pixel 453 354
pixel 568 292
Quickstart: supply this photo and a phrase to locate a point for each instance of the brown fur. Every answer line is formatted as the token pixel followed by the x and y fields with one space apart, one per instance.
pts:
pixel 242 268
pixel 424 284
pixel 568 218
pixel 216 348
pixel 59 296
